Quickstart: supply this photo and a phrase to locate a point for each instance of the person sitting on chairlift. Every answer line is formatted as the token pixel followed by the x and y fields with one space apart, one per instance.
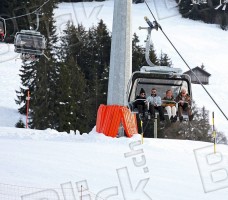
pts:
pixel 184 104
pixel 170 105
pixel 155 104
pixel 140 103
pixel 1 35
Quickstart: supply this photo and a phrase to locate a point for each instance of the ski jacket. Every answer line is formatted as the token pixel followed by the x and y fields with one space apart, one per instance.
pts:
pixel 154 100
pixel 185 98
pixel 167 103
pixel 140 102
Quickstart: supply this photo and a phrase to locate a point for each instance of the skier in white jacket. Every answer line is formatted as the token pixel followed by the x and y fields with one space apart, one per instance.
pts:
pixel 155 104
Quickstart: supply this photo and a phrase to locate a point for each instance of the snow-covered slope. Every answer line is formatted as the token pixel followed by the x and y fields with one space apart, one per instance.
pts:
pixel 9 83
pixel 38 163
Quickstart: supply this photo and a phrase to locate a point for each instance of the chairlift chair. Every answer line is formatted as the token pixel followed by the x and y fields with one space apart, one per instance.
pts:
pixel 29 42
pixel 160 77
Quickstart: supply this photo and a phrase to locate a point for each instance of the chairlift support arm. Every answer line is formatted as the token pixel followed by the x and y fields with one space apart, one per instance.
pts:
pixel 37 20
pixel 152 26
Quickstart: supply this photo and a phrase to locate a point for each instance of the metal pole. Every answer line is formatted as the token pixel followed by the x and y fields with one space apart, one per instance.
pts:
pixel 37 21
pixel 214 132
pixel 27 108
pixel 121 53
pixel 141 122
pixel 81 192
pixel 156 126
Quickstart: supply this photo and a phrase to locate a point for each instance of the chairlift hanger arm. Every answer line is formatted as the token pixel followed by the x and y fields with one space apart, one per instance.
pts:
pixel 152 26
pixel 37 19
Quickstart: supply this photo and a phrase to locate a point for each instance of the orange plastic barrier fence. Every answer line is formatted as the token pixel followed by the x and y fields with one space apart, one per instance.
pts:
pixel 109 119
pixel 129 121
pixel 100 117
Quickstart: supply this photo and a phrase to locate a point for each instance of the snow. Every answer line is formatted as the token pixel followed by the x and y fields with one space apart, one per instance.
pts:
pixel 9 82
pixel 52 165
pixel 33 160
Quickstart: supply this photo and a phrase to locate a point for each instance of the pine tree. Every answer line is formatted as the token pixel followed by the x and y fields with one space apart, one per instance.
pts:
pixel 20 124
pixel 89 52
pixel 137 54
pixel 185 7
pixel 221 138
pixel 200 126
pixel 102 60
pixel 205 12
pixel 99 45
pixel 165 60
pixel 71 103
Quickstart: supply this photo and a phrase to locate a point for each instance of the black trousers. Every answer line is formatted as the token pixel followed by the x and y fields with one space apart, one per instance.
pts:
pixel 184 107
pixel 141 108
pixel 160 110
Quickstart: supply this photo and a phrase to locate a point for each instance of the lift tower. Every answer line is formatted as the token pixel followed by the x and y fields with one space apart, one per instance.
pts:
pixel 121 53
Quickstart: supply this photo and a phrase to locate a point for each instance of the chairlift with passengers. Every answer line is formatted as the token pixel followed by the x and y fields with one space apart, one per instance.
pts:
pixel 30 43
pixel 2 29
pixel 160 77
